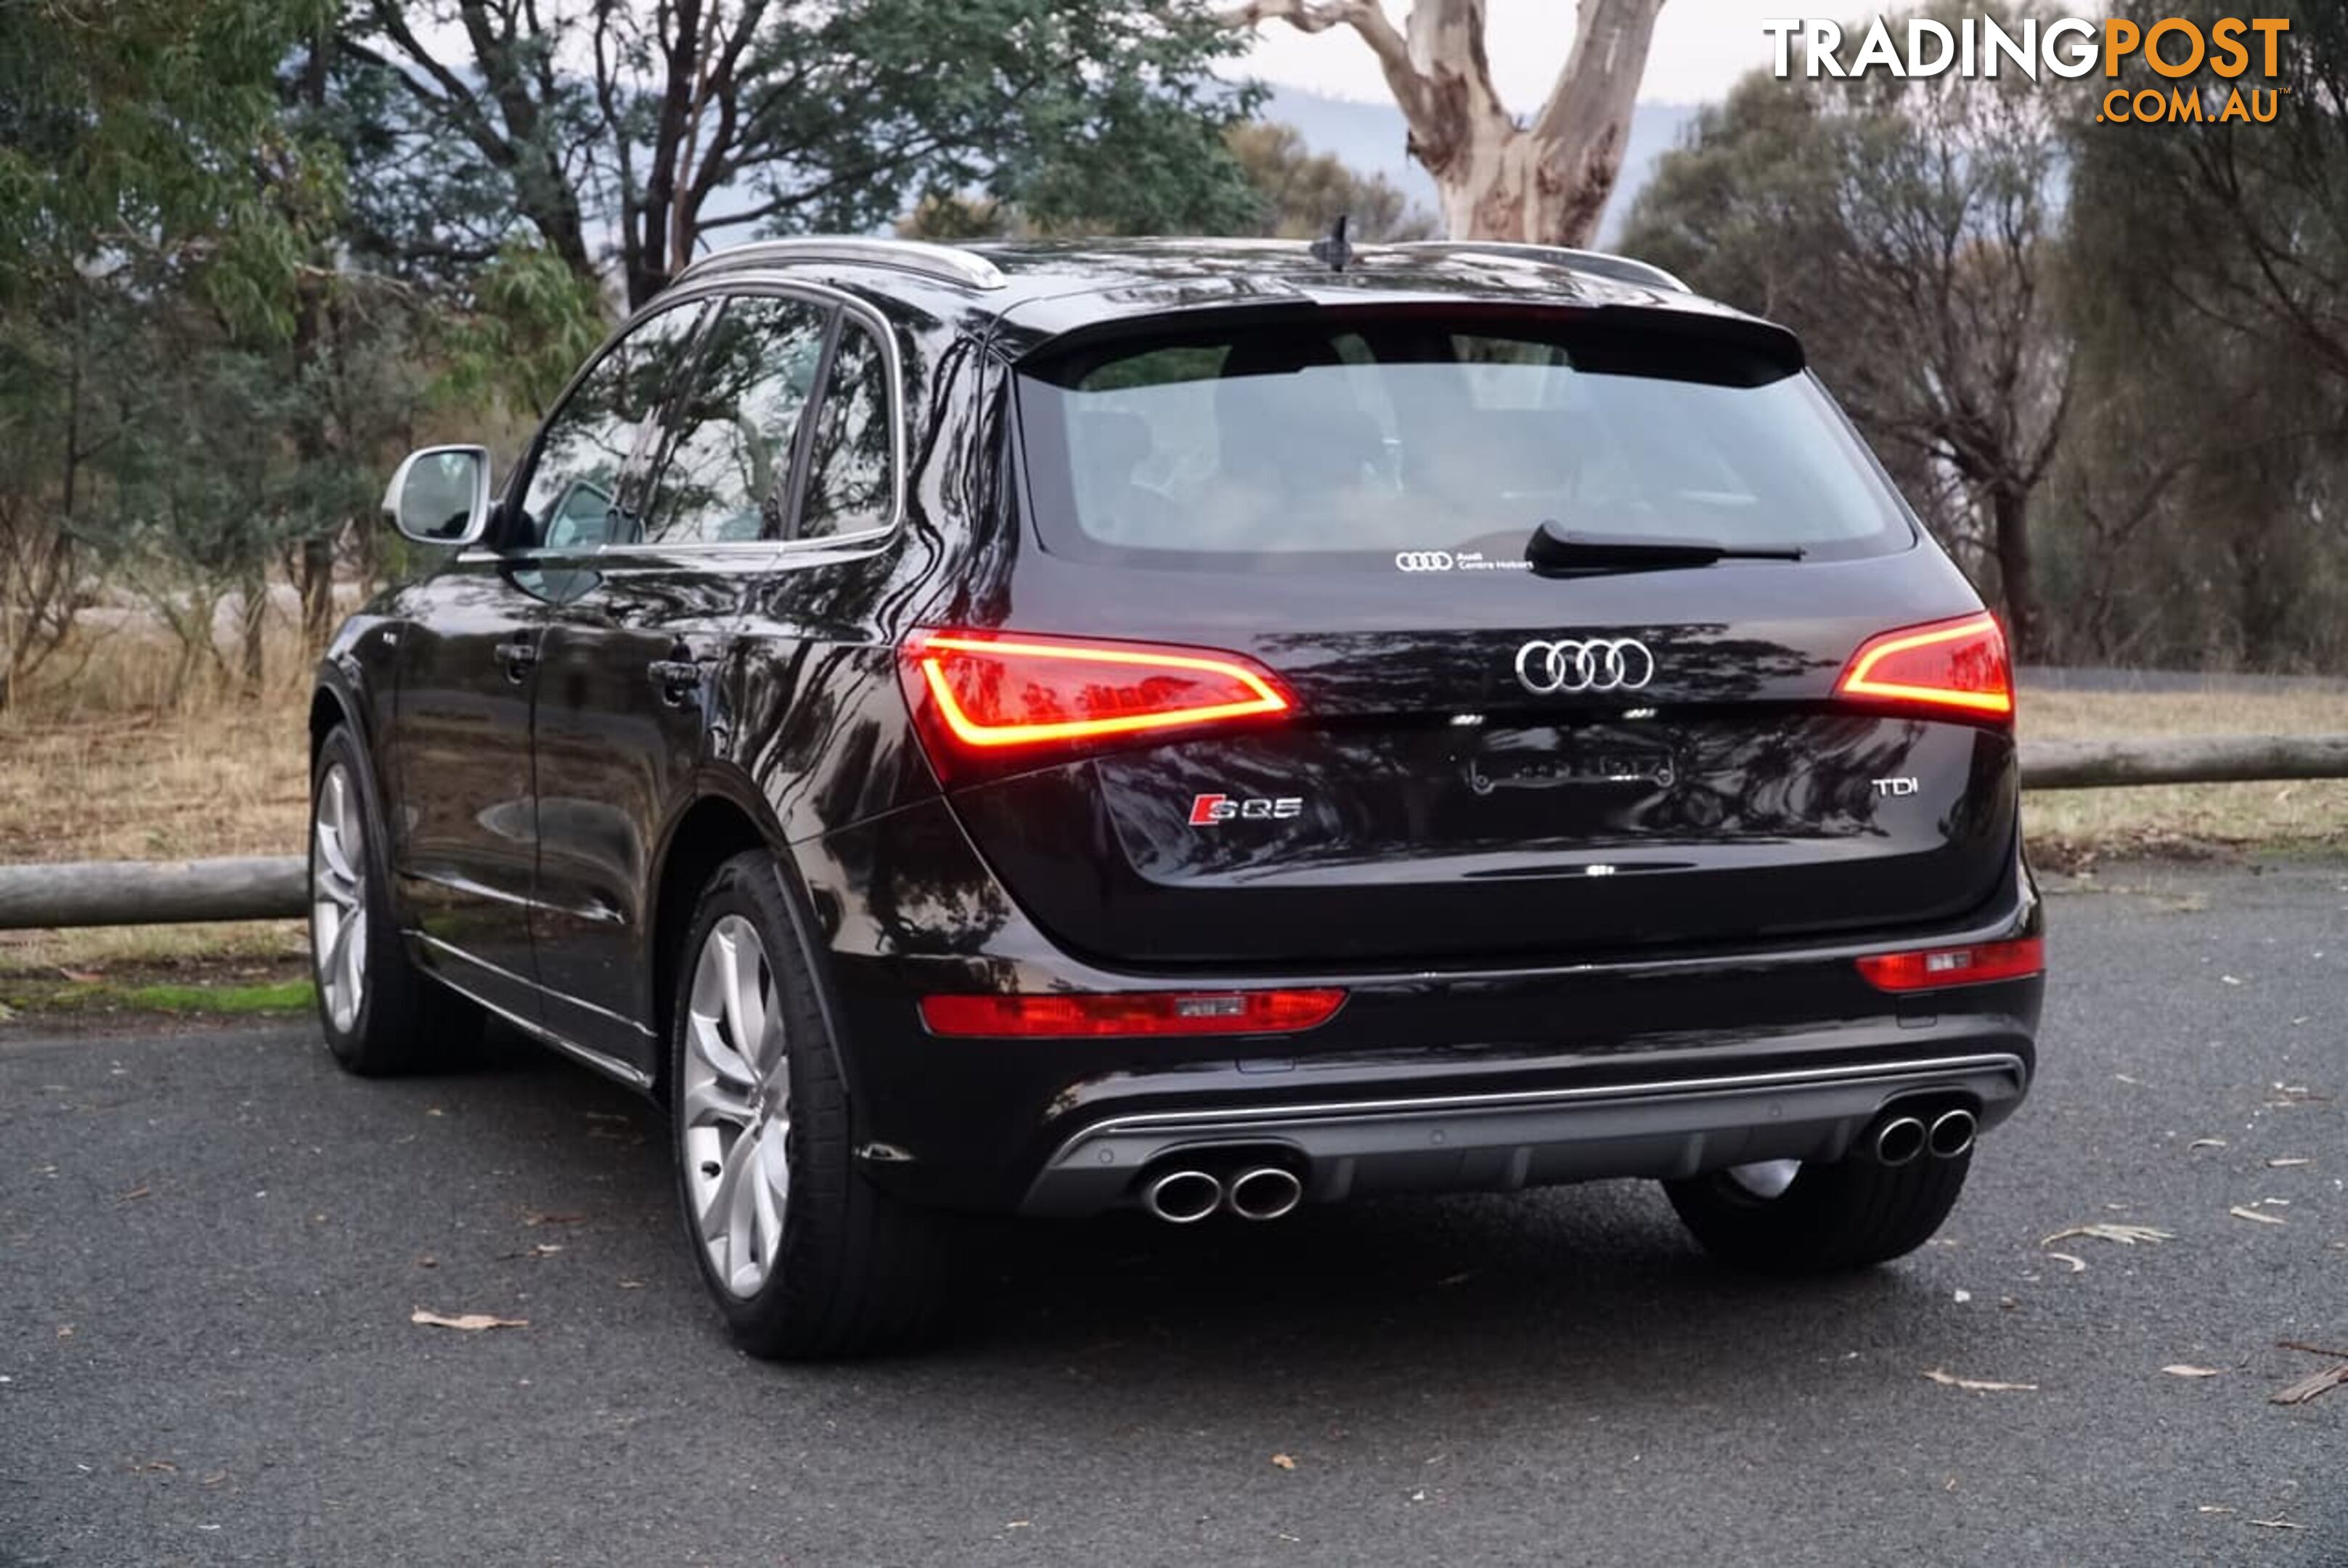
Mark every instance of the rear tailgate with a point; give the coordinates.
(1421, 803)
(1478, 763)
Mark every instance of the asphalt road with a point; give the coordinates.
(211, 1244)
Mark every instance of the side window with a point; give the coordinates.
(582, 491)
(850, 487)
(725, 474)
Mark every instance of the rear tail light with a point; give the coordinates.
(1949, 668)
(998, 694)
(1065, 1015)
(1930, 968)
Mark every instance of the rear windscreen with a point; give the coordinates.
(1354, 441)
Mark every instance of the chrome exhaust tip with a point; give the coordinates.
(1264, 1193)
(1183, 1198)
(1900, 1140)
(1953, 1133)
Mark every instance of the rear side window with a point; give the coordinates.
(753, 454)
(850, 487)
(1350, 439)
(732, 435)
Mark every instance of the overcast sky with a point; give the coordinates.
(1701, 47)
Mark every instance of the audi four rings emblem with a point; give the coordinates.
(1600, 664)
(1424, 560)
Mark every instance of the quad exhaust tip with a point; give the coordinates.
(1264, 1193)
(1183, 1198)
(1951, 1133)
(1900, 1140)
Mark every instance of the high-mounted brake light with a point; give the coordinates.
(1931, 969)
(1075, 1015)
(1958, 665)
(999, 691)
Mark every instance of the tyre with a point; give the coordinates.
(379, 1013)
(803, 1255)
(1828, 1218)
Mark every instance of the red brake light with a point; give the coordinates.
(996, 692)
(1931, 969)
(1065, 1015)
(1948, 664)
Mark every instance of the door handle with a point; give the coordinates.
(676, 679)
(517, 657)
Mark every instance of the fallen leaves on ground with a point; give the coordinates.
(469, 1322)
(2274, 1524)
(141, 1191)
(2242, 1212)
(1283, 1461)
(2315, 1383)
(2205, 1143)
(2106, 1230)
(2078, 1265)
(2179, 1370)
(2284, 1162)
(532, 1217)
(1978, 1384)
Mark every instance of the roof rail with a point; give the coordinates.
(947, 263)
(1622, 269)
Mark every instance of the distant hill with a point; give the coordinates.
(1369, 137)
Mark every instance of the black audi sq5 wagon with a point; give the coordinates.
(1200, 727)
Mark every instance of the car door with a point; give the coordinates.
(467, 844)
(630, 705)
(462, 844)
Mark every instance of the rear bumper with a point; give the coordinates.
(1431, 1079)
(1502, 1141)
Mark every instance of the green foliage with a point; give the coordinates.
(1905, 228)
(682, 126)
(2209, 269)
(148, 130)
(530, 323)
(1301, 193)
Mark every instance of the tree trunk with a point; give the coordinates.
(1544, 183)
(253, 615)
(318, 589)
(2009, 508)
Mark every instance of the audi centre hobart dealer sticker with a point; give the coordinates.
(1455, 561)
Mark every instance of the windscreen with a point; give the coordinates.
(1358, 440)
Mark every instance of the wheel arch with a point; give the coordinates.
(328, 708)
(718, 827)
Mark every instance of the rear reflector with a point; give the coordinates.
(1932, 968)
(1953, 666)
(1064, 1015)
(979, 692)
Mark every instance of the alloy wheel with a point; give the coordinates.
(338, 898)
(733, 1108)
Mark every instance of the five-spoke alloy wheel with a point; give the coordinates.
(803, 1254)
(377, 1013)
(736, 1108)
(338, 920)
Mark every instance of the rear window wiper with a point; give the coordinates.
(1555, 548)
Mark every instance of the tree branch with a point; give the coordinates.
(1368, 22)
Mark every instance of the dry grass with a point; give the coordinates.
(101, 770)
(2069, 827)
(104, 767)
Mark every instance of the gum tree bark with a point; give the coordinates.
(1545, 182)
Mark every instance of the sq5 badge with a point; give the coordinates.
(1205, 810)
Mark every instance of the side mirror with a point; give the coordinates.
(440, 495)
